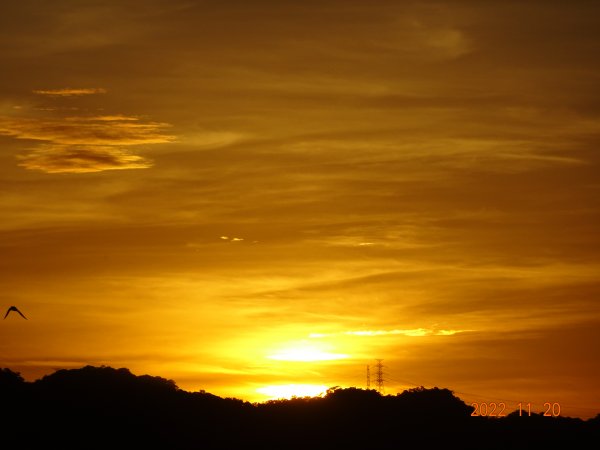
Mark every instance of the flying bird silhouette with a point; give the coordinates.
(14, 308)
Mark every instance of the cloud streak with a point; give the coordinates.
(81, 159)
(100, 130)
(70, 92)
(84, 144)
(415, 332)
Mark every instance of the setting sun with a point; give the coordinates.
(305, 353)
(284, 391)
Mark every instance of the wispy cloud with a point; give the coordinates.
(70, 92)
(84, 144)
(233, 239)
(415, 332)
(100, 130)
(81, 159)
(213, 139)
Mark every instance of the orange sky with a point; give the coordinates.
(217, 191)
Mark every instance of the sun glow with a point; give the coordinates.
(305, 353)
(287, 391)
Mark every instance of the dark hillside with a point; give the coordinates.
(103, 407)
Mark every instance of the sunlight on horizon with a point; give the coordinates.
(288, 391)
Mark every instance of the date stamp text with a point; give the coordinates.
(493, 409)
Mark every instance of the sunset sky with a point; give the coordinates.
(242, 195)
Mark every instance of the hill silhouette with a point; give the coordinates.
(108, 408)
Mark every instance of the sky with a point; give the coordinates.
(252, 197)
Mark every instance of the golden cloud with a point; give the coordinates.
(101, 130)
(81, 159)
(84, 144)
(70, 92)
(410, 332)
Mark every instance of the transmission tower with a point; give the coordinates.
(368, 377)
(379, 379)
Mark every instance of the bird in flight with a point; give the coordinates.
(14, 308)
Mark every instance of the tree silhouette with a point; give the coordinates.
(103, 407)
